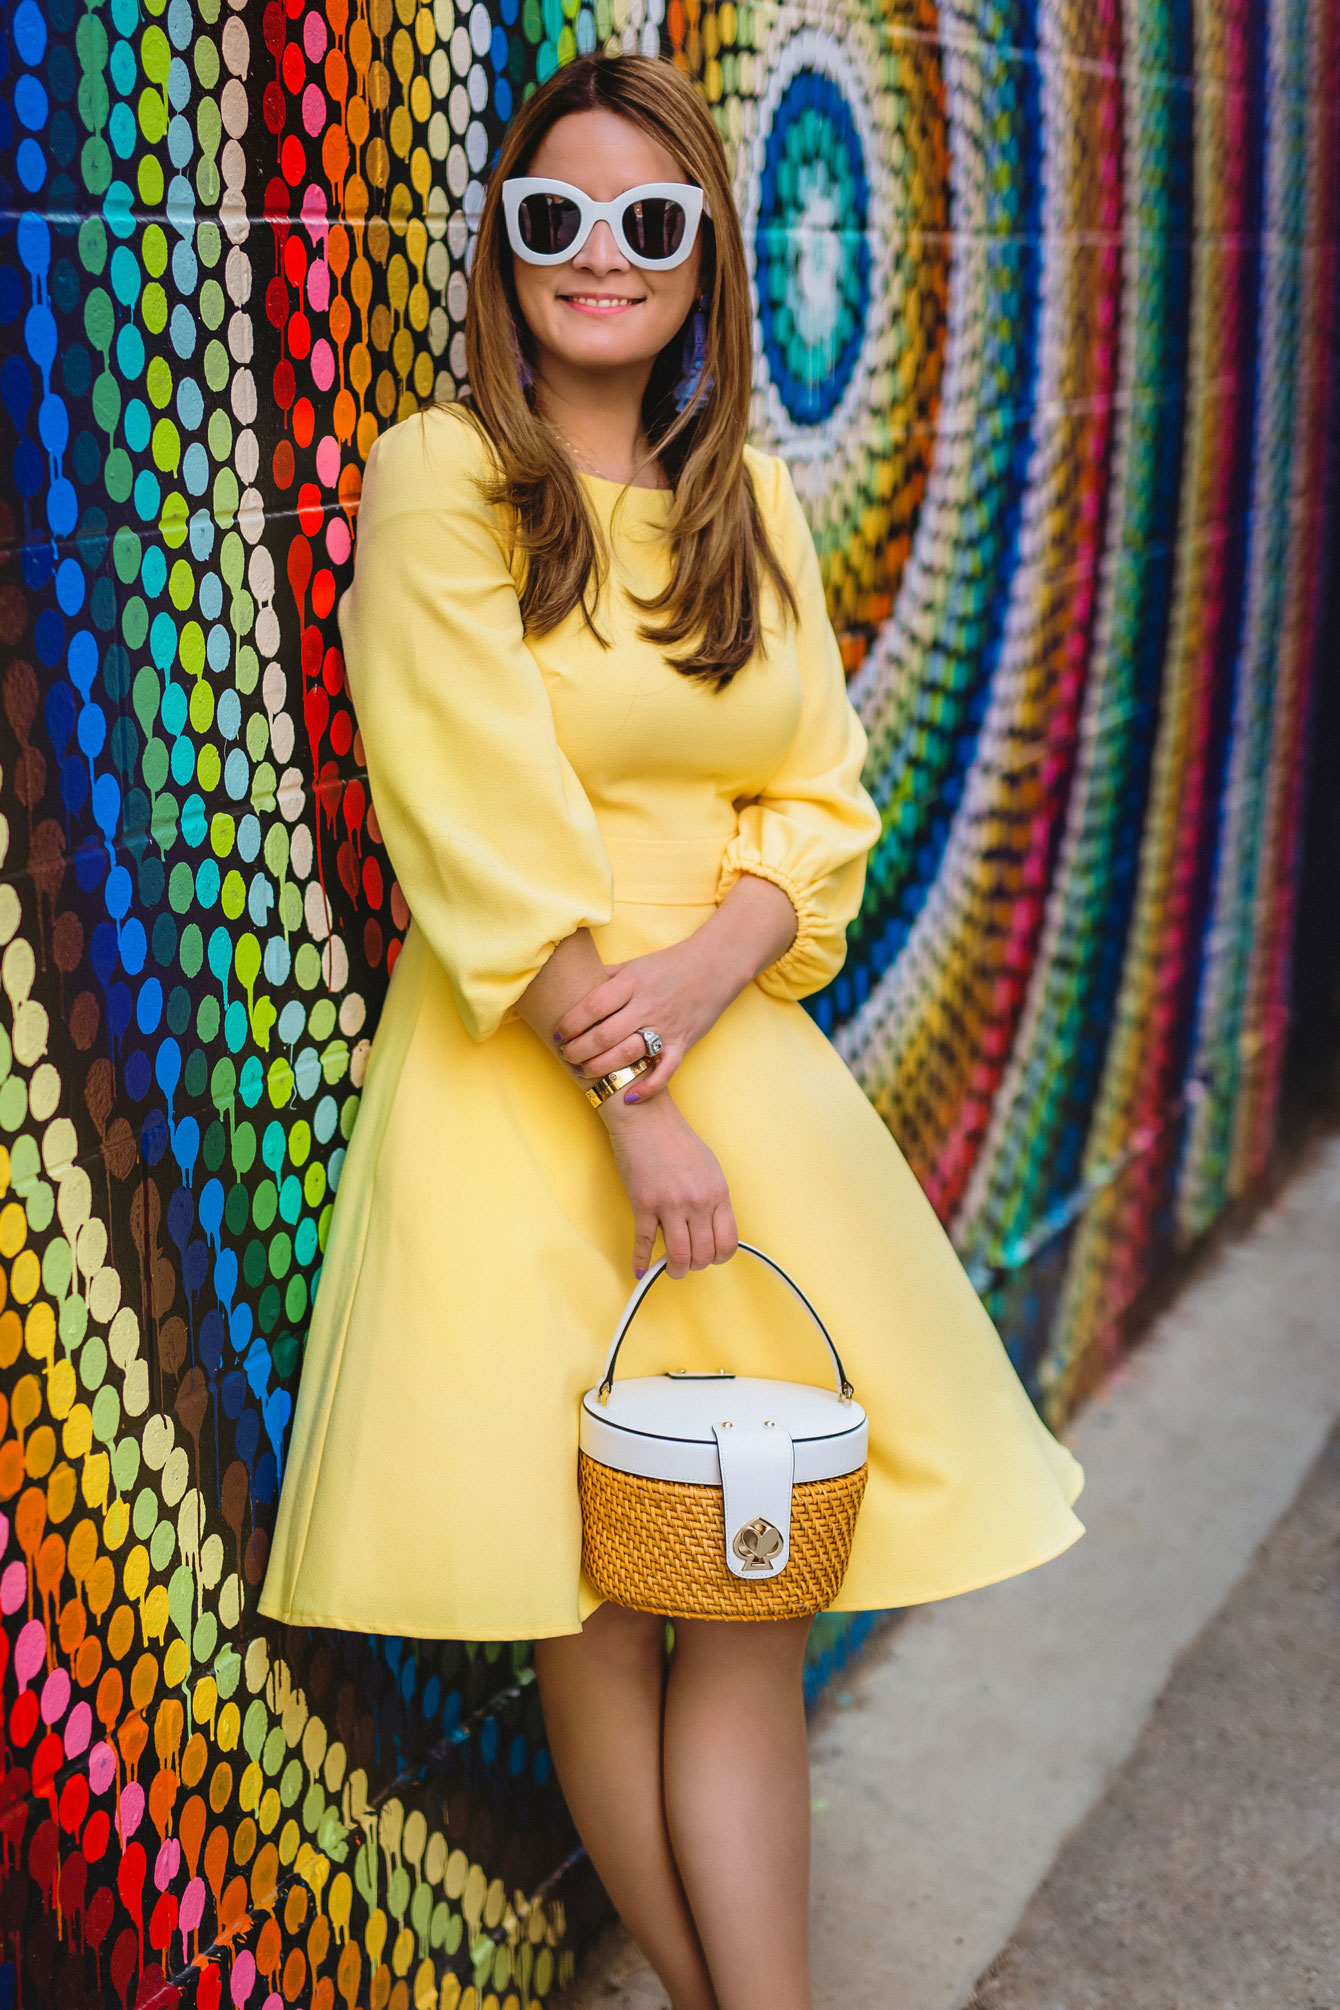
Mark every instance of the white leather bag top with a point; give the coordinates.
(749, 1435)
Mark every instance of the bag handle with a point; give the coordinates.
(843, 1386)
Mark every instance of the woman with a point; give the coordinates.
(616, 770)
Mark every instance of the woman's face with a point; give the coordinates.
(599, 311)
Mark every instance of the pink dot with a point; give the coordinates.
(4, 1533)
(131, 1812)
(30, 1649)
(101, 1768)
(328, 460)
(314, 37)
(13, 1587)
(314, 109)
(243, 1978)
(192, 1905)
(314, 214)
(323, 376)
(337, 540)
(78, 1730)
(55, 1696)
(318, 286)
(167, 1862)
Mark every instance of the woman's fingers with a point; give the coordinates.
(609, 996)
(702, 1240)
(726, 1235)
(619, 1054)
(618, 1029)
(644, 1240)
(678, 1245)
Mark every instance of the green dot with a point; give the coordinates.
(118, 475)
(92, 244)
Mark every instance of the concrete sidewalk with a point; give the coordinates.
(980, 1732)
(1208, 1876)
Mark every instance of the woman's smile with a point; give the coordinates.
(599, 303)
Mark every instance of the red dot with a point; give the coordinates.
(295, 262)
(341, 733)
(97, 1829)
(272, 28)
(285, 385)
(292, 160)
(274, 108)
(304, 422)
(293, 70)
(73, 1803)
(23, 1718)
(310, 512)
(373, 887)
(323, 593)
(332, 671)
(276, 303)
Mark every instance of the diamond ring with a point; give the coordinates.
(653, 1042)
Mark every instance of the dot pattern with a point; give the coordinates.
(1042, 295)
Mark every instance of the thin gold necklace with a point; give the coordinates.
(583, 461)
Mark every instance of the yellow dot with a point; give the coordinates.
(13, 1228)
(25, 1276)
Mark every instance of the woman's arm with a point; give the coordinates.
(673, 1182)
(681, 991)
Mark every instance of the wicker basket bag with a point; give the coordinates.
(719, 1496)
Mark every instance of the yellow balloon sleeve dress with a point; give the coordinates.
(480, 1246)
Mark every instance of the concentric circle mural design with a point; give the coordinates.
(1043, 300)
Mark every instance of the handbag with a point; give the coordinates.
(709, 1495)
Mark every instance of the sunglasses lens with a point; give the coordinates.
(549, 223)
(655, 226)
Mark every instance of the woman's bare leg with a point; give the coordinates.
(737, 1803)
(602, 1691)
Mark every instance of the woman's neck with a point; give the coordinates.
(604, 438)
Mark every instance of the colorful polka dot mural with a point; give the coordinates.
(1043, 296)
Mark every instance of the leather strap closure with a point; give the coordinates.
(757, 1469)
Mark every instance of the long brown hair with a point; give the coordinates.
(720, 545)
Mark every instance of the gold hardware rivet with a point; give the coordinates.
(726, 1424)
(768, 1424)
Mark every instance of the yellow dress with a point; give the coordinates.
(480, 1248)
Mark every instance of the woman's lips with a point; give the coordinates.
(597, 303)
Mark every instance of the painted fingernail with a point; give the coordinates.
(639, 1273)
(631, 1097)
(557, 1039)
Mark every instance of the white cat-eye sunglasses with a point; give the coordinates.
(655, 225)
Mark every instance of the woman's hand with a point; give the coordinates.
(680, 992)
(674, 1183)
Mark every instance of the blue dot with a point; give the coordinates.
(30, 32)
(117, 894)
(30, 103)
(130, 350)
(134, 944)
(40, 337)
(70, 585)
(148, 496)
(31, 163)
(62, 507)
(149, 1006)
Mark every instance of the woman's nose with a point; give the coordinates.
(600, 253)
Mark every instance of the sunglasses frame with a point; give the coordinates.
(686, 193)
